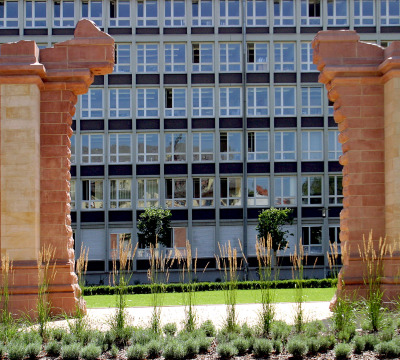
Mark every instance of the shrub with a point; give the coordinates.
(30, 337)
(53, 348)
(154, 348)
(347, 334)
(109, 339)
(246, 331)
(277, 345)
(170, 329)
(90, 352)
(226, 350)
(33, 349)
(314, 328)
(297, 347)
(16, 350)
(326, 342)
(204, 343)
(280, 331)
(143, 336)
(342, 351)
(386, 334)
(114, 351)
(69, 339)
(70, 351)
(388, 349)
(313, 345)
(136, 352)
(370, 342)
(359, 344)
(57, 333)
(262, 348)
(174, 350)
(192, 347)
(241, 344)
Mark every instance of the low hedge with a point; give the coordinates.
(211, 286)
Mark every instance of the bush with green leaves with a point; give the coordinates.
(136, 352)
(388, 349)
(226, 350)
(33, 350)
(297, 346)
(204, 344)
(386, 334)
(170, 329)
(114, 351)
(342, 351)
(175, 350)
(16, 350)
(280, 331)
(57, 333)
(246, 331)
(359, 344)
(313, 344)
(208, 328)
(370, 342)
(71, 351)
(29, 337)
(69, 339)
(277, 345)
(143, 336)
(262, 348)
(326, 342)
(242, 345)
(192, 347)
(347, 334)
(314, 328)
(154, 348)
(90, 352)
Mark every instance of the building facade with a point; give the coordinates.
(214, 111)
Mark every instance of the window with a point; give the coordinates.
(92, 151)
(35, 14)
(175, 13)
(8, 14)
(72, 193)
(92, 194)
(120, 239)
(257, 101)
(334, 146)
(285, 101)
(147, 193)
(364, 13)
(147, 102)
(310, 12)
(230, 101)
(203, 146)
(230, 146)
(229, 12)
(64, 15)
(311, 145)
(147, 58)
(312, 239)
(203, 102)
(147, 13)
(120, 13)
(120, 194)
(390, 12)
(285, 145)
(92, 104)
(337, 12)
(120, 148)
(175, 147)
(334, 238)
(257, 145)
(203, 192)
(175, 102)
(175, 57)
(311, 101)
(311, 190)
(285, 190)
(283, 13)
(258, 191)
(229, 57)
(120, 103)
(335, 190)
(307, 58)
(175, 193)
(147, 148)
(284, 56)
(202, 13)
(122, 58)
(93, 10)
(257, 13)
(73, 149)
(202, 58)
(231, 191)
(257, 57)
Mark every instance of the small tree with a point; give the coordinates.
(270, 221)
(154, 224)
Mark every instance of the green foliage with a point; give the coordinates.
(53, 348)
(241, 344)
(33, 349)
(277, 345)
(16, 350)
(143, 336)
(280, 331)
(208, 328)
(388, 349)
(57, 333)
(90, 352)
(359, 344)
(154, 348)
(344, 313)
(136, 352)
(174, 350)
(297, 346)
(204, 344)
(326, 342)
(114, 351)
(314, 328)
(262, 348)
(342, 351)
(226, 350)
(192, 347)
(170, 329)
(71, 351)
(154, 224)
(270, 221)
(313, 345)
(370, 342)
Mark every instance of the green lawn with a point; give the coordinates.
(211, 297)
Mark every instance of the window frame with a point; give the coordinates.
(305, 18)
(252, 143)
(253, 109)
(72, 193)
(281, 108)
(73, 149)
(177, 94)
(309, 96)
(360, 18)
(281, 146)
(117, 110)
(98, 20)
(232, 138)
(146, 20)
(308, 143)
(307, 241)
(117, 153)
(202, 155)
(257, 200)
(199, 108)
(252, 53)
(8, 22)
(121, 65)
(225, 15)
(148, 111)
(92, 203)
(173, 200)
(202, 20)
(335, 191)
(281, 19)
(62, 20)
(122, 13)
(174, 66)
(333, 19)
(231, 200)
(201, 66)
(118, 199)
(35, 21)
(387, 18)
(89, 111)
(308, 198)
(170, 21)
(145, 156)
(336, 235)
(334, 146)
(229, 107)
(254, 20)
(202, 201)
(146, 51)
(307, 64)
(146, 201)
(88, 158)
(284, 198)
(284, 56)
(174, 156)
(227, 53)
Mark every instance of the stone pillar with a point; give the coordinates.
(355, 79)
(37, 100)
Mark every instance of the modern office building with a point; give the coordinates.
(214, 110)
